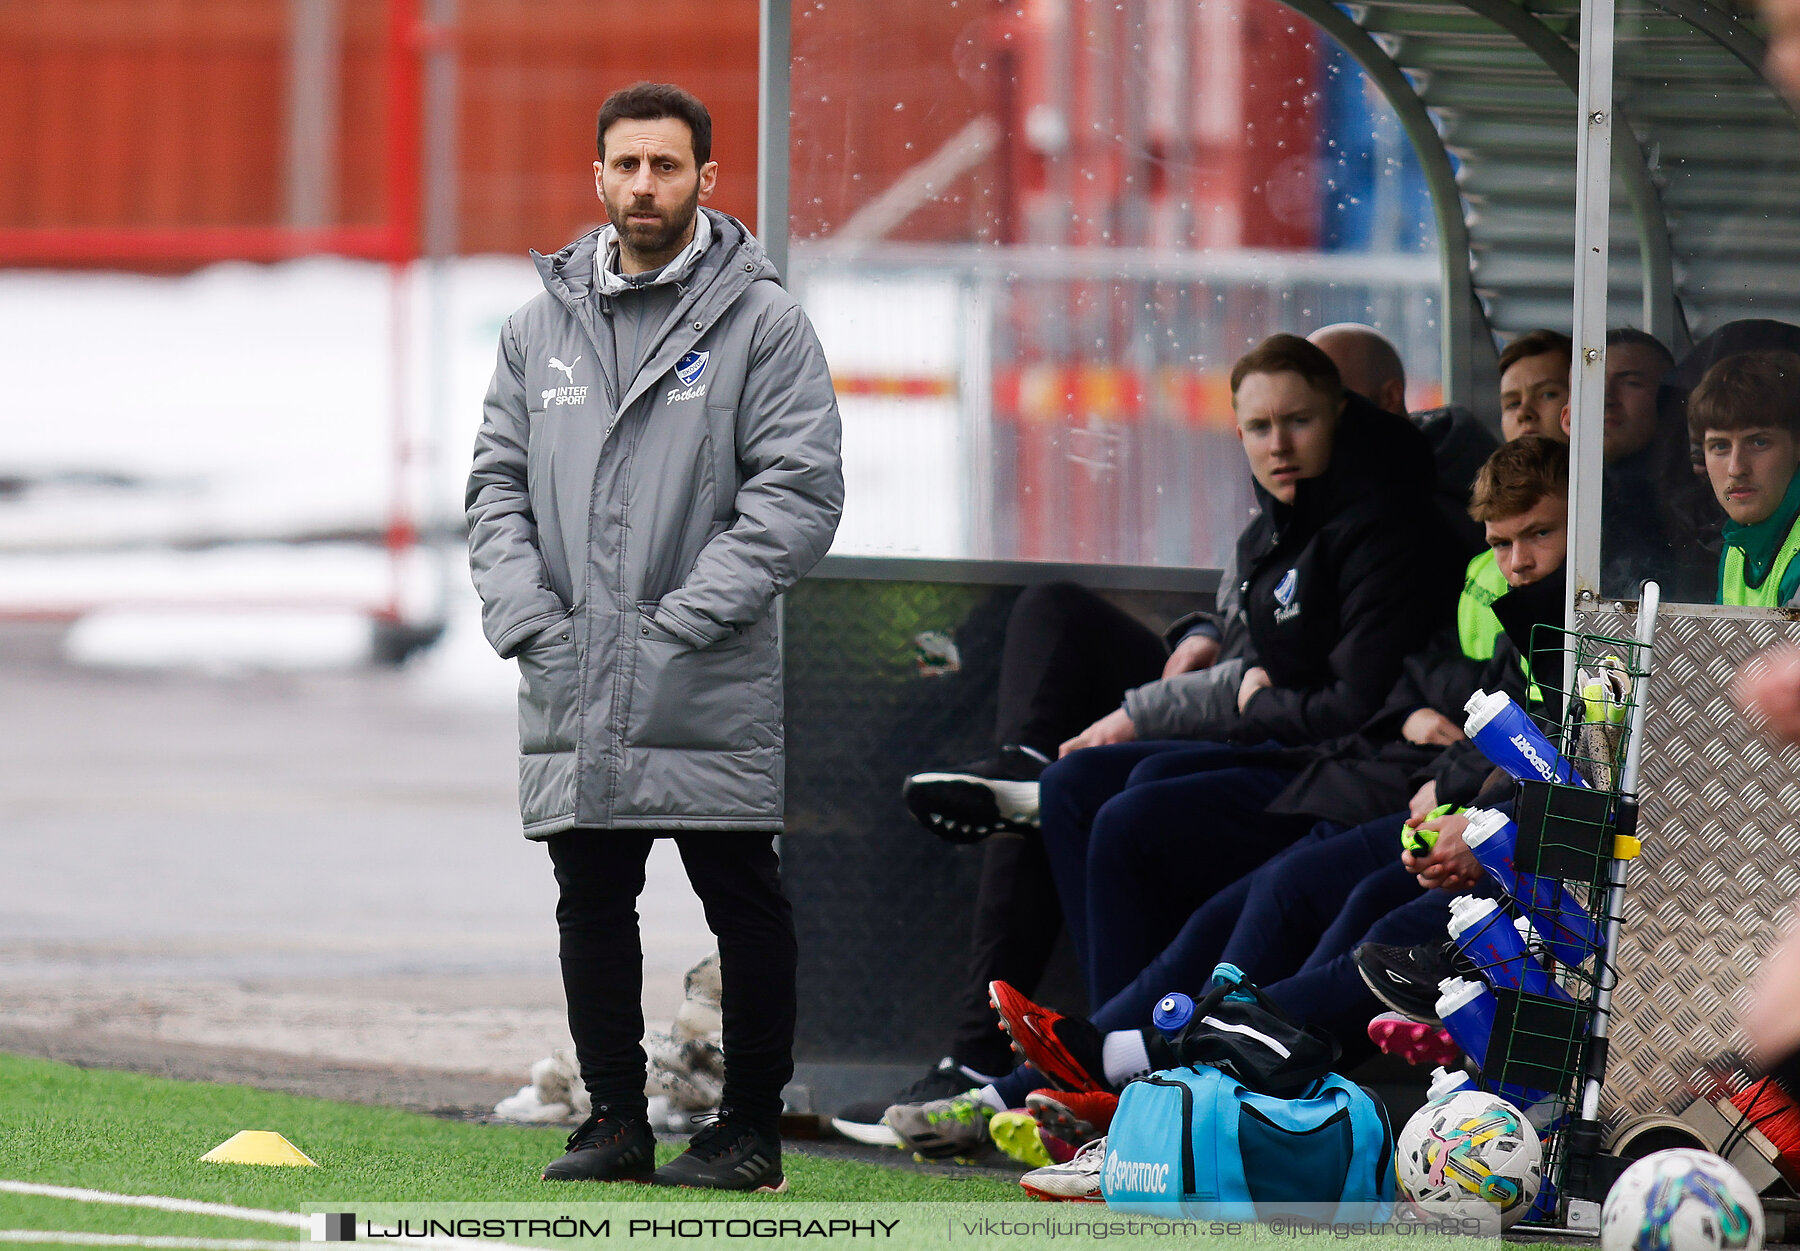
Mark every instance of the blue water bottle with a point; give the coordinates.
(1484, 934)
(1545, 1111)
(1557, 915)
(1509, 738)
(1467, 1011)
(1172, 1011)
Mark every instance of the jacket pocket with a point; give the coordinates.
(549, 690)
(709, 698)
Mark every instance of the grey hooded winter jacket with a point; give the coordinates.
(628, 537)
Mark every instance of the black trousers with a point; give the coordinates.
(1068, 659)
(737, 876)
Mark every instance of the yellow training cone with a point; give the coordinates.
(258, 1146)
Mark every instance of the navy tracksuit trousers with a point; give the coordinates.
(1140, 834)
(1290, 925)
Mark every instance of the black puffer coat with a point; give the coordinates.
(1375, 772)
(1341, 586)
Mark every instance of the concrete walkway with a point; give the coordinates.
(326, 866)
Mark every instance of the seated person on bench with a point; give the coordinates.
(1292, 924)
(1070, 657)
(1746, 414)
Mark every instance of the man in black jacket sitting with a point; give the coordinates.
(1339, 582)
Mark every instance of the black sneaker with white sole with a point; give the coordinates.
(1406, 978)
(863, 1121)
(967, 803)
(727, 1154)
(607, 1148)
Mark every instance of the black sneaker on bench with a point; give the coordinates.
(865, 1121)
(1406, 978)
(967, 803)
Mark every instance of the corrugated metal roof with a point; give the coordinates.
(1702, 200)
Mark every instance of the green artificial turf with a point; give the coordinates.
(129, 1133)
(35, 1212)
(141, 1134)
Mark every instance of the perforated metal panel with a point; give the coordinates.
(1720, 867)
(883, 909)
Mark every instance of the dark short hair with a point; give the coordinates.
(1536, 343)
(644, 102)
(1626, 334)
(1290, 354)
(1746, 390)
(1518, 475)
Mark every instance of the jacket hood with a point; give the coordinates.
(1374, 454)
(606, 252)
(1460, 444)
(568, 273)
(1751, 334)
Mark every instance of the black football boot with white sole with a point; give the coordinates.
(727, 1154)
(967, 803)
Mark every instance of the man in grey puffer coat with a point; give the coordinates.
(658, 460)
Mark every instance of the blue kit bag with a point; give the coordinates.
(1197, 1142)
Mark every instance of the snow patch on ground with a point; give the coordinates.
(324, 396)
(221, 642)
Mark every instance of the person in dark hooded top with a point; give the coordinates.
(1335, 549)
(1339, 584)
(1069, 658)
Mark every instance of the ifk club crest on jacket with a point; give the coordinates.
(629, 535)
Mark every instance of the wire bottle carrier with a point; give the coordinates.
(1575, 843)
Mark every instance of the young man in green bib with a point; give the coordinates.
(1746, 415)
(1534, 379)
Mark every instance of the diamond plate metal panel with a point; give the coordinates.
(1713, 888)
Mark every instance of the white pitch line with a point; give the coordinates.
(63, 1237)
(194, 1207)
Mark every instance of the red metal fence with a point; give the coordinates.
(157, 133)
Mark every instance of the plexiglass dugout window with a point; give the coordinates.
(1722, 152)
(1034, 237)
